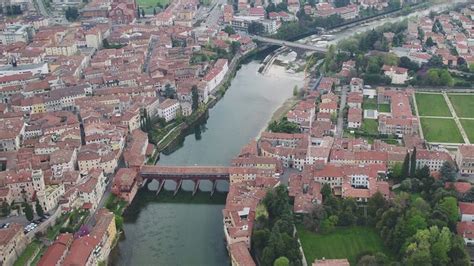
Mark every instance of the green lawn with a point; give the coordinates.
(342, 243)
(441, 130)
(463, 104)
(369, 104)
(384, 108)
(27, 253)
(370, 126)
(468, 126)
(432, 105)
(148, 5)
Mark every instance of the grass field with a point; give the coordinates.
(148, 5)
(468, 126)
(370, 126)
(432, 105)
(342, 243)
(440, 130)
(463, 104)
(369, 104)
(384, 108)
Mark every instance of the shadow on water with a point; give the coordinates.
(145, 197)
(197, 128)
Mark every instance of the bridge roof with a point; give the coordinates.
(184, 170)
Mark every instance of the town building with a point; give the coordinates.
(465, 159)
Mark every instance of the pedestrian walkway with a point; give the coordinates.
(456, 118)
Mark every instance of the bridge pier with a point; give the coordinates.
(196, 186)
(146, 182)
(178, 186)
(214, 186)
(160, 186)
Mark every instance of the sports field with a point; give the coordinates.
(440, 130)
(468, 125)
(430, 104)
(342, 243)
(463, 104)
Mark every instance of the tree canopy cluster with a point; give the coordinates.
(72, 13)
(273, 236)
(284, 126)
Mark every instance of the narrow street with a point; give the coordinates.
(340, 117)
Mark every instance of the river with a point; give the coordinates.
(190, 232)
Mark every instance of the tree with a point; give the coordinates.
(39, 209)
(281, 261)
(143, 13)
(449, 207)
(326, 192)
(413, 163)
(138, 11)
(421, 34)
(341, 3)
(458, 254)
(119, 222)
(408, 64)
(235, 47)
(312, 221)
(448, 171)
(195, 97)
(406, 166)
(256, 28)
(5, 209)
(154, 11)
(445, 78)
(72, 13)
(430, 42)
(28, 211)
(229, 30)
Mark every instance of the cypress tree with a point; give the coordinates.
(406, 166)
(413, 163)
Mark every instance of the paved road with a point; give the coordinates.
(340, 118)
(42, 9)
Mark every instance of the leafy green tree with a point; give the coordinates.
(229, 30)
(260, 238)
(5, 209)
(312, 221)
(374, 204)
(72, 13)
(39, 209)
(119, 222)
(391, 59)
(256, 28)
(448, 206)
(421, 34)
(28, 211)
(341, 3)
(326, 192)
(458, 254)
(448, 171)
(281, 261)
(445, 78)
